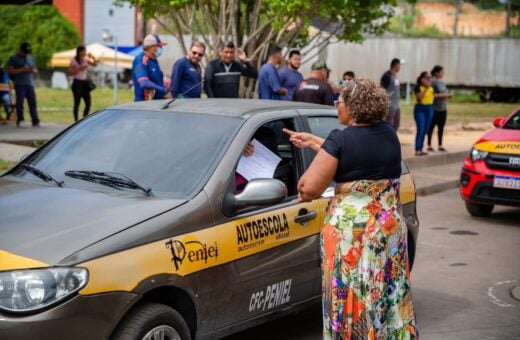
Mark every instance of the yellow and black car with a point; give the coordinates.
(129, 224)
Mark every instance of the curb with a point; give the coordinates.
(435, 160)
(436, 188)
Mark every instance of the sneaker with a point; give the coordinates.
(420, 153)
(442, 149)
(20, 124)
(431, 149)
(37, 125)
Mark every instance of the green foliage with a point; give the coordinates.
(42, 26)
(353, 18)
(5, 165)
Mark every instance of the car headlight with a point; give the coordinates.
(477, 154)
(32, 289)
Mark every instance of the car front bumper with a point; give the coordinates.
(82, 317)
(476, 185)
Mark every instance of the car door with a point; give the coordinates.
(275, 247)
(320, 123)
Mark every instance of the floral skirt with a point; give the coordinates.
(365, 276)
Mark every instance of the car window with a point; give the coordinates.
(513, 122)
(322, 125)
(271, 135)
(167, 151)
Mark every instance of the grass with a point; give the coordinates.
(467, 112)
(5, 165)
(55, 105)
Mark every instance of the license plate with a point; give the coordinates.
(507, 182)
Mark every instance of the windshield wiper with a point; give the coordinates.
(41, 174)
(111, 179)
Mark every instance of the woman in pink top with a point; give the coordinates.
(80, 87)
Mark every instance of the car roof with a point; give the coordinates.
(219, 106)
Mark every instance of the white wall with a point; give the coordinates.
(121, 22)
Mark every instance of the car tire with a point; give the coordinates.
(149, 319)
(479, 210)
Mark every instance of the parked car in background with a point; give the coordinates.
(491, 172)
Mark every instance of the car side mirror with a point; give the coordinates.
(498, 122)
(261, 192)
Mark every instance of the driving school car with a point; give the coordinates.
(491, 172)
(129, 224)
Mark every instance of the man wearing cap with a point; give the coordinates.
(222, 75)
(269, 83)
(146, 74)
(22, 68)
(315, 89)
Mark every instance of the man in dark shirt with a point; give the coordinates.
(187, 74)
(289, 76)
(315, 89)
(22, 68)
(222, 75)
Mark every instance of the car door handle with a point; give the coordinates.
(305, 216)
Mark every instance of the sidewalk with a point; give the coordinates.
(9, 133)
(434, 173)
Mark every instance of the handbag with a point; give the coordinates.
(91, 85)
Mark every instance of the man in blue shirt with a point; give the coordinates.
(22, 68)
(269, 84)
(289, 75)
(147, 76)
(187, 73)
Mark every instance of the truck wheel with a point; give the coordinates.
(153, 321)
(479, 210)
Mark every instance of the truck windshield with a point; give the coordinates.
(168, 152)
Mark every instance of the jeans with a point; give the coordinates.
(5, 100)
(423, 115)
(22, 92)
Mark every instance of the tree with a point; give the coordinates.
(458, 9)
(42, 26)
(254, 24)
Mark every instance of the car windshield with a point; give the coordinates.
(513, 122)
(168, 152)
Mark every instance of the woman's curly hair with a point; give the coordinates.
(368, 102)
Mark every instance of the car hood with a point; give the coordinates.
(499, 134)
(44, 224)
(506, 141)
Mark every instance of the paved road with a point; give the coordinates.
(466, 273)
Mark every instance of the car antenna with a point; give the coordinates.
(171, 101)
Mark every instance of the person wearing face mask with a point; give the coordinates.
(366, 290)
(222, 75)
(147, 76)
(289, 75)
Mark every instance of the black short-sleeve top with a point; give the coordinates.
(365, 152)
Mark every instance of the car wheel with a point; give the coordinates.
(153, 321)
(479, 210)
